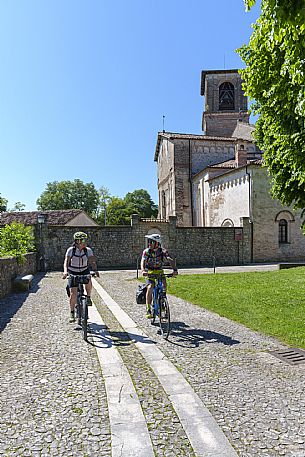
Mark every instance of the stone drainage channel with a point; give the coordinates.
(152, 409)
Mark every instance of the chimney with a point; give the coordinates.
(240, 155)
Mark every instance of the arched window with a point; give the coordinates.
(227, 223)
(283, 231)
(226, 97)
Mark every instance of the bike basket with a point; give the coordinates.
(141, 294)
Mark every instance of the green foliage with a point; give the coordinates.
(69, 195)
(271, 302)
(139, 202)
(3, 203)
(18, 207)
(119, 210)
(274, 78)
(16, 240)
(105, 198)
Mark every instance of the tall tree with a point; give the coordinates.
(69, 195)
(117, 212)
(105, 198)
(140, 202)
(3, 203)
(18, 207)
(274, 78)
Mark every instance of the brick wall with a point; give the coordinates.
(9, 269)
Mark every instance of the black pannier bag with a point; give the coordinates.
(141, 294)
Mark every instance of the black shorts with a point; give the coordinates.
(71, 281)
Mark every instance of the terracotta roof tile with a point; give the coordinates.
(55, 217)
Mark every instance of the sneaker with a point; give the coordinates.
(89, 301)
(148, 312)
(72, 317)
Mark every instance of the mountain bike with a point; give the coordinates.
(81, 307)
(160, 306)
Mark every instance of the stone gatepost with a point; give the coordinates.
(172, 236)
(246, 255)
(137, 239)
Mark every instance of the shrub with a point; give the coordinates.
(16, 240)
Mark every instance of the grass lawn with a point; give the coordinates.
(271, 302)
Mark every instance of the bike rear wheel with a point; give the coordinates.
(164, 317)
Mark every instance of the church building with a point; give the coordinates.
(217, 178)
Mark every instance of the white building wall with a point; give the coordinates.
(228, 198)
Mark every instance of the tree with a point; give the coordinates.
(274, 79)
(139, 202)
(69, 195)
(18, 207)
(16, 240)
(105, 198)
(118, 212)
(3, 203)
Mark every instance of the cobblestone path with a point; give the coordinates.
(257, 400)
(53, 399)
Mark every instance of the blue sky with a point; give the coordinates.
(84, 86)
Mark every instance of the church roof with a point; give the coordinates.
(53, 217)
(244, 131)
(228, 166)
(187, 136)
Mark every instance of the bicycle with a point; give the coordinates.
(160, 306)
(81, 307)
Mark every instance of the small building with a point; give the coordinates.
(66, 217)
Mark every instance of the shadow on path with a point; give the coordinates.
(116, 338)
(10, 304)
(186, 336)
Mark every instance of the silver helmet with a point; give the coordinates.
(154, 237)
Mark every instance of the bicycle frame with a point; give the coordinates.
(81, 304)
(158, 292)
(160, 306)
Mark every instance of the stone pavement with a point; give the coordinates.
(53, 396)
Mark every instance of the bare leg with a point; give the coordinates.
(88, 288)
(149, 298)
(73, 298)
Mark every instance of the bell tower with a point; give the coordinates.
(225, 102)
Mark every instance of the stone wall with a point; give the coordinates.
(122, 246)
(9, 269)
(266, 215)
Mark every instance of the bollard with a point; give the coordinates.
(214, 264)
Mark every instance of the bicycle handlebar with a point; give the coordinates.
(81, 279)
(162, 275)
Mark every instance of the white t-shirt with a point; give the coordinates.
(79, 261)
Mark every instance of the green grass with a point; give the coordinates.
(271, 302)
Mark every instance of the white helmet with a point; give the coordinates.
(154, 237)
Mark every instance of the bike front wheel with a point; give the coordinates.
(85, 319)
(164, 317)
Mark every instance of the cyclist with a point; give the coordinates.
(78, 260)
(153, 260)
